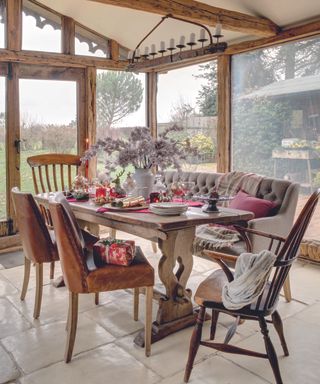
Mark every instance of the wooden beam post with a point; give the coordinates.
(91, 85)
(151, 101)
(202, 13)
(14, 25)
(68, 35)
(224, 114)
(114, 50)
(12, 134)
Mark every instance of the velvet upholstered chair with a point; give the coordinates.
(80, 278)
(38, 245)
(209, 295)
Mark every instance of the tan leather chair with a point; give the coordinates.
(79, 278)
(38, 246)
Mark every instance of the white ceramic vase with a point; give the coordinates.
(144, 180)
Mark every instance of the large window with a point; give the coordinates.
(187, 98)
(276, 113)
(48, 121)
(3, 178)
(120, 105)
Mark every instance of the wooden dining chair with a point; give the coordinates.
(38, 246)
(80, 278)
(52, 172)
(209, 295)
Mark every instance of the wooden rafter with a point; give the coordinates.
(203, 13)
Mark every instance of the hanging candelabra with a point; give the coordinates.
(207, 42)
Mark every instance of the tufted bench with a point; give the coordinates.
(284, 193)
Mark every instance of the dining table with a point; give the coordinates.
(175, 236)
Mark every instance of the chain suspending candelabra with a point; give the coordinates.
(136, 56)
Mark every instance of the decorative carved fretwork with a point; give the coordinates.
(42, 16)
(94, 41)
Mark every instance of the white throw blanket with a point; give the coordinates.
(250, 277)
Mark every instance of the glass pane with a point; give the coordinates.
(276, 113)
(41, 29)
(187, 97)
(89, 44)
(48, 121)
(2, 23)
(3, 178)
(120, 105)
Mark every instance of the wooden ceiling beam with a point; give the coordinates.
(202, 13)
(60, 60)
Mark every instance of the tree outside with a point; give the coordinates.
(118, 95)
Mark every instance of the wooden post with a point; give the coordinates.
(91, 81)
(14, 25)
(224, 111)
(151, 101)
(13, 134)
(114, 50)
(68, 35)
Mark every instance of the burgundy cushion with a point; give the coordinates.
(259, 207)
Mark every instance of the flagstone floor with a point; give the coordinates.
(31, 351)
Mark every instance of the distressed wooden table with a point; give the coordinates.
(175, 235)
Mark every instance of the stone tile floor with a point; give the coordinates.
(31, 351)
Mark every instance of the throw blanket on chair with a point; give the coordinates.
(250, 277)
(230, 183)
(208, 237)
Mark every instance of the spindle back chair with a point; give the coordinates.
(209, 294)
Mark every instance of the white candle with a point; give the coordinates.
(162, 46)
(137, 53)
(130, 54)
(202, 34)
(182, 40)
(146, 50)
(218, 29)
(171, 43)
(153, 48)
(192, 38)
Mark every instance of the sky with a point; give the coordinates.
(48, 101)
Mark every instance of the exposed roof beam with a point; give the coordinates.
(59, 59)
(203, 13)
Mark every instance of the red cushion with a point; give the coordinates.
(246, 202)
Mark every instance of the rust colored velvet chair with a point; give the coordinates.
(209, 295)
(79, 278)
(38, 246)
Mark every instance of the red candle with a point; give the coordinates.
(87, 161)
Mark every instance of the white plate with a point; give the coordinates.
(168, 206)
(121, 209)
(168, 212)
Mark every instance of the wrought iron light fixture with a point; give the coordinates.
(207, 44)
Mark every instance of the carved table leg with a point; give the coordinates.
(175, 307)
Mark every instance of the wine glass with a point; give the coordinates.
(176, 190)
(187, 187)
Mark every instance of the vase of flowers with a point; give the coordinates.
(143, 152)
(144, 179)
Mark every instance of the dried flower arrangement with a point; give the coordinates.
(142, 150)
